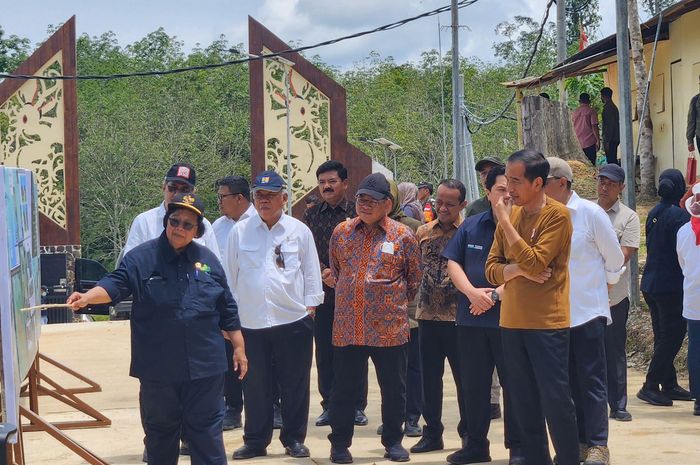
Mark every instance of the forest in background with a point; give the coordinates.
(132, 130)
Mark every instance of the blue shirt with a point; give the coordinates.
(470, 248)
(178, 310)
(662, 273)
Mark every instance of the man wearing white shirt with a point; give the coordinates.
(233, 196)
(180, 178)
(273, 268)
(596, 261)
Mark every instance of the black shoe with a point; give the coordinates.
(246, 452)
(380, 430)
(144, 457)
(412, 429)
(297, 450)
(184, 448)
(276, 417)
(621, 415)
(340, 455)
(495, 411)
(396, 453)
(467, 455)
(323, 419)
(696, 411)
(427, 445)
(654, 397)
(516, 457)
(360, 418)
(232, 420)
(677, 393)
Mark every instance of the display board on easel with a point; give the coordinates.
(19, 284)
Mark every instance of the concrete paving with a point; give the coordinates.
(100, 351)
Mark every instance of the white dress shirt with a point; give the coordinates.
(223, 225)
(689, 259)
(149, 225)
(596, 260)
(267, 294)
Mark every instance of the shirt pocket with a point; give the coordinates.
(289, 250)
(387, 268)
(160, 296)
(249, 256)
(206, 293)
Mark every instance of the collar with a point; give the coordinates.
(435, 224)
(574, 201)
(343, 205)
(250, 211)
(257, 222)
(615, 207)
(488, 215)
(169, 254)
(383, 223)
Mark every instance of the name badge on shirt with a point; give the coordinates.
(475, 246)
(388, 247)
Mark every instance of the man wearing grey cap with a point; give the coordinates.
(597, 262)
(611, 183)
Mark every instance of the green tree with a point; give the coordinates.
(13, 51)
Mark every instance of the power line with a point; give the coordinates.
(486, 121)
(386, 27)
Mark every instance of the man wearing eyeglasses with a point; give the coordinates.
(180, 178)
(375, 263)
(273, 269)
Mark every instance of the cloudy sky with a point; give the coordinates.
(305, 21)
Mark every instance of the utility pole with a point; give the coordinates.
(561, 43)
(626, 149)
(456, 100)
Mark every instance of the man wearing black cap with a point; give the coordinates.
(180, 179)
(375, 263)
(273, 270)
(611, 183)
(425, 190)
(233, 195)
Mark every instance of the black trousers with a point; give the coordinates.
(669, 327)
(616, 355)
(589, 381)
(537, 363)
(611, 152)
(323, 336)
(290, 346)
(414, 379)
(481, 350)
(590, 153)
(233, 387)
(390, 364)
(438, 341)
(191, 407)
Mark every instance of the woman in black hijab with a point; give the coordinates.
(662, 286)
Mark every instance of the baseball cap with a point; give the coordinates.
(613, 172)
(427, 185)
(376, 186)
(188, 201)
(182, 172)
(559, 168)
(269, 181)
(481, 164)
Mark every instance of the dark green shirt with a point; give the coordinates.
(478, 206)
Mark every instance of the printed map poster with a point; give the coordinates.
(20, 285)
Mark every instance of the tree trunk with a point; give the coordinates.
(646, 152)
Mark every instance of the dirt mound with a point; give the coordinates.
(585, 183)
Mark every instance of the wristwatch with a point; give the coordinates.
(494, 296)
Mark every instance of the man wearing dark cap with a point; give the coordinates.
(611, 183)
(425, 190)
(483, 167)
(273, 270)
(180, 179)
(375, 262)
(233, 196)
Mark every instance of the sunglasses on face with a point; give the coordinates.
(279, 259)
(366, 202)
(175, 223)
(183, 189)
